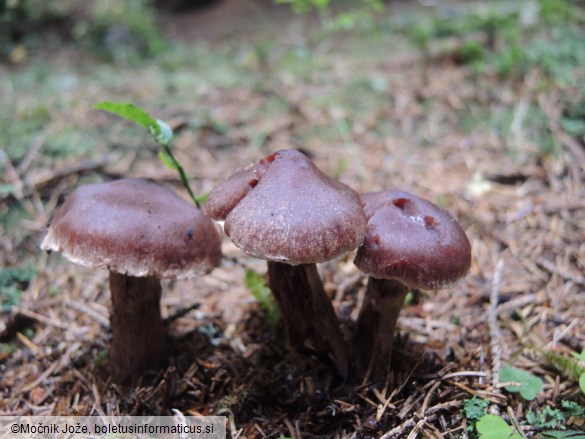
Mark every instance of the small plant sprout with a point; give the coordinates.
(546, 418)
(162, 133)
(494, 427)
(475, 408)
(571, 366)
(563, 434)
(256, 283)
(524, 383)
(581, 358)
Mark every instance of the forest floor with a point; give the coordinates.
(484, 119)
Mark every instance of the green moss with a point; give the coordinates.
(13, 281)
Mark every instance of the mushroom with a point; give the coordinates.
(141, 232)
(410, 243)
(285, 210)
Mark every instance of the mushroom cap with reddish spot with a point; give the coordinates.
(285, 209)
(412, 240)
(226, 195)
(134, 227)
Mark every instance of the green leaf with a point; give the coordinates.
(494, 427)
(159, 129)
(580, 357)
(257, 286)
(167, 160)
(133, 113)
(529, 386)
(582, 382)
(202, 198)
(567, 434)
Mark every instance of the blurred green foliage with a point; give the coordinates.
(118, 30)
(301, 6)
(256, 283)
(339, 15)
(13, 281)
(474, 408)
(548, 417)
(498, 41)
(508, 41)
(508, 38)
(7, 349)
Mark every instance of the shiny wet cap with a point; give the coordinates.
(134, 227)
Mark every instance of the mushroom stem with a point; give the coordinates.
(138, 340)
(374, 332)
(311, 324)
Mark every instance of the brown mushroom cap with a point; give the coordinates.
(134, 227)
(285, 209)
(226, 195)
(412, 240)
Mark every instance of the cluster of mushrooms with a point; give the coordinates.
(282, 209)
